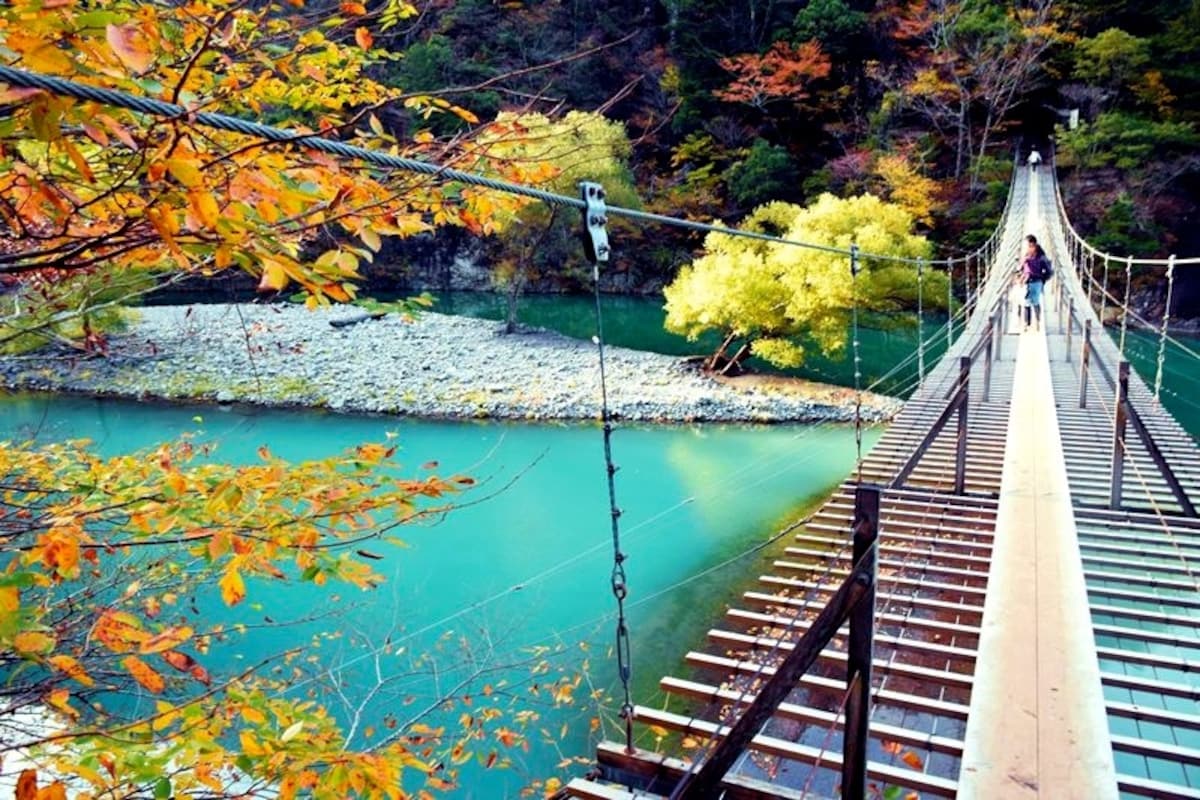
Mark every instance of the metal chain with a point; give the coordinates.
(1162, 337)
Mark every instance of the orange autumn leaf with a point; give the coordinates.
(119, 631)
(363, 38)
(72, 669)
(894, 748)
(180, 661)
(358, 9)
(233, 588)
(27, 785)
(33, 642)
(55, 791)
(144, 674)
(168, 639)
(912, 759)
(130, 48)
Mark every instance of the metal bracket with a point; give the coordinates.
(595, 217)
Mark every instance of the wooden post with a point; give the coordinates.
(960, 458)
(702, 785)
(1119, 425)
(1003, 324)
(1070, 325)
(1084, 358)
(859, 648)
(987, 357)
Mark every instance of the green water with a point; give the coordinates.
(637, 322)
(692, 497)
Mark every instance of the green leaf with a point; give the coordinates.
(162, 789)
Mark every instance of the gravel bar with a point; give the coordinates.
(434, 365)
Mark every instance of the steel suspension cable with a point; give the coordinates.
(159, 108)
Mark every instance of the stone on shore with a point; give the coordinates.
(431, 366)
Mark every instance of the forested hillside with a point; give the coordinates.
(729, 105)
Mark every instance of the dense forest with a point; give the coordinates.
(924, 103)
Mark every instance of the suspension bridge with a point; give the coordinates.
(1001, 601)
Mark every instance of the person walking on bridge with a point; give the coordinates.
(1035, 271)
(1035, 158)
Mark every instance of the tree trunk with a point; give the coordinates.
(735, 363)
(710, 365)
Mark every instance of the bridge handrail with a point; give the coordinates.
(1095, 251)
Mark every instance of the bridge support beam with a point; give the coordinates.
(1036, 726)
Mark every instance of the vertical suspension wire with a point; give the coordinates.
(1162, 334)
(967, 285)
(596, 244)
(1104, 292)
(921, 320)
(949, 304)
(1125, 304)
(858, 427)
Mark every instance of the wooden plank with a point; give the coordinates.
(662, 773)
(884, 696)
(1037, 722)
(793, 751)
(799, 713)
(1144, 787)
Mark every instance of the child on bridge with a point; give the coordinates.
(1035, 271)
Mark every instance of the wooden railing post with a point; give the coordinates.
(960, 458)
(1084, 358)
(859, 650)
(987, 357)
(1070, 324)
(1003, 325)
(1120, 423)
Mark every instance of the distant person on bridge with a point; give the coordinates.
(1035, 271)
(1035, 158)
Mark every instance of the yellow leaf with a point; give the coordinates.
(144, 674)
(31, 642)
(130, 47)
(371, 239)
(274, 276)
(233, 588)
(42, 56)
(59, 698)
(250, 745)
(659, 731)
(253, 715)
(72, 669)
(204, 205)
(185, 171)
(10, 599)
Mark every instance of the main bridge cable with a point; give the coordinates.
(160, 108)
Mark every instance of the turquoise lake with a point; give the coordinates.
(692, 497)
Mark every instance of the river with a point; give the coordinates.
(692, 498)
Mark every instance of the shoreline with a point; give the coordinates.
(434, 366)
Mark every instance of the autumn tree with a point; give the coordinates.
(556, 154)
(111, 568)
(782, 74)
(973, 62)
(774, 300)
(97, 194)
